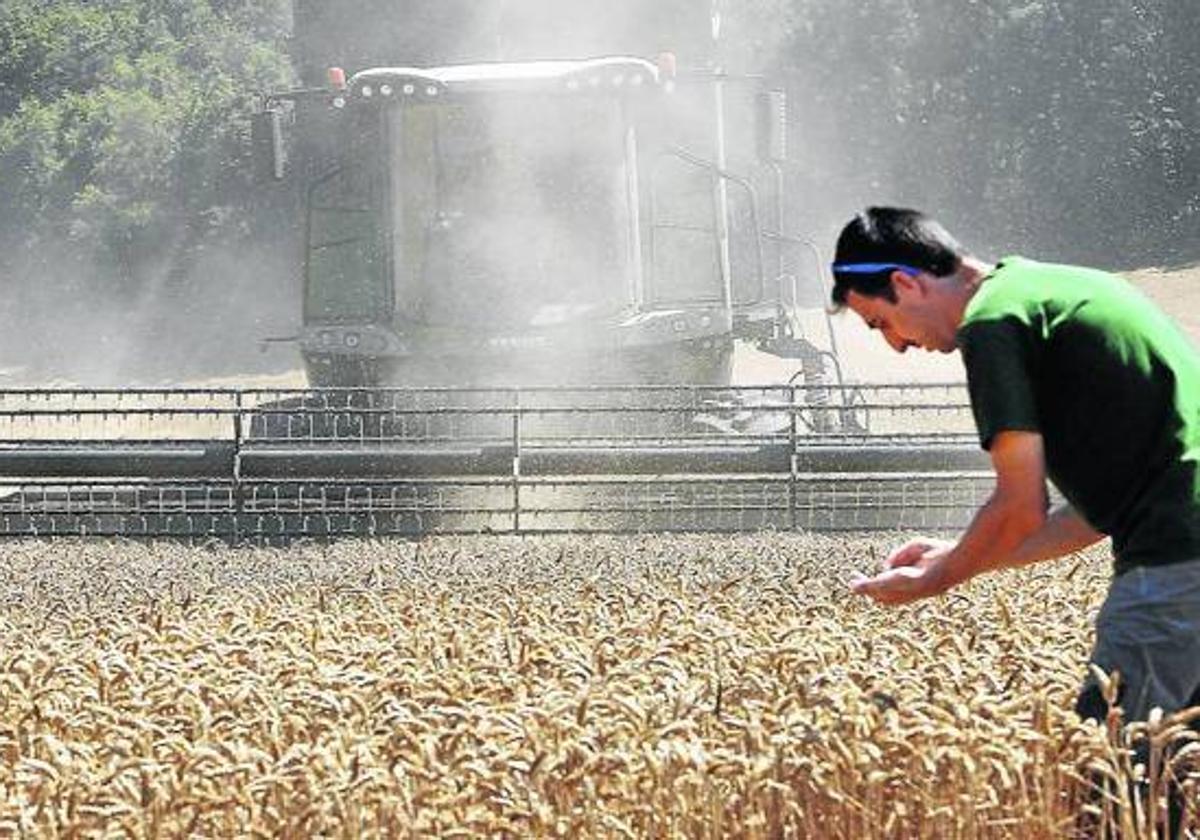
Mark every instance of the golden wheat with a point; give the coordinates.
(640, 686)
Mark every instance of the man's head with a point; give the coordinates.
(896, 268)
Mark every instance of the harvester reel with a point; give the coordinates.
(275, 465)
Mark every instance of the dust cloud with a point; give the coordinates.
(182, 325)
(544, 255)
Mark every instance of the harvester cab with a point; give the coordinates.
(542, 223)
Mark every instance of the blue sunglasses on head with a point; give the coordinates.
(873, 268)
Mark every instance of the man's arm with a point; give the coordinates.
(1015, 531)
(1011, 529)
(1064, 531)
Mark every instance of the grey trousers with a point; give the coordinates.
(1149, 630)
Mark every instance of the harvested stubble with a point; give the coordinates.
(694, 686)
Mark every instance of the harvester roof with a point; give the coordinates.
(590, 74)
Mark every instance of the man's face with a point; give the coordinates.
(918, 318)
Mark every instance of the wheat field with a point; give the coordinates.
(683, 686)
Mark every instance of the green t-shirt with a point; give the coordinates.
(1113, 387)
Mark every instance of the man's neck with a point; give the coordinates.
(974, 271)
(968, 278)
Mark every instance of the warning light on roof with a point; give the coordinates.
(667, 66)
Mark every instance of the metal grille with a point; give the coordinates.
(277, 464)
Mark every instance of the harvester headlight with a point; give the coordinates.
(636, 80)
(618, 80)
(679, 326)
(594, 81)
(572, 84)
(339, 102)
(431, 90)
(367, 91)
(706, 320)
(351, 340)
(385, 90)
(409, 89)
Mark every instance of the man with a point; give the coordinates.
(1073, 376)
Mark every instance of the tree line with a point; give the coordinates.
(123, 128)
(1063, 126)
(1067, 126)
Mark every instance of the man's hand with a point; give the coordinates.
(910, 572)
(917, 551)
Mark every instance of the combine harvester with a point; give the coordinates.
(524, 282)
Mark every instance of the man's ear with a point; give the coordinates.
(903, 281)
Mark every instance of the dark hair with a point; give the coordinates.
(891, 235)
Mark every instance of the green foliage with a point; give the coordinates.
(1065, 125)
(1062, 125)
(122, 120)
